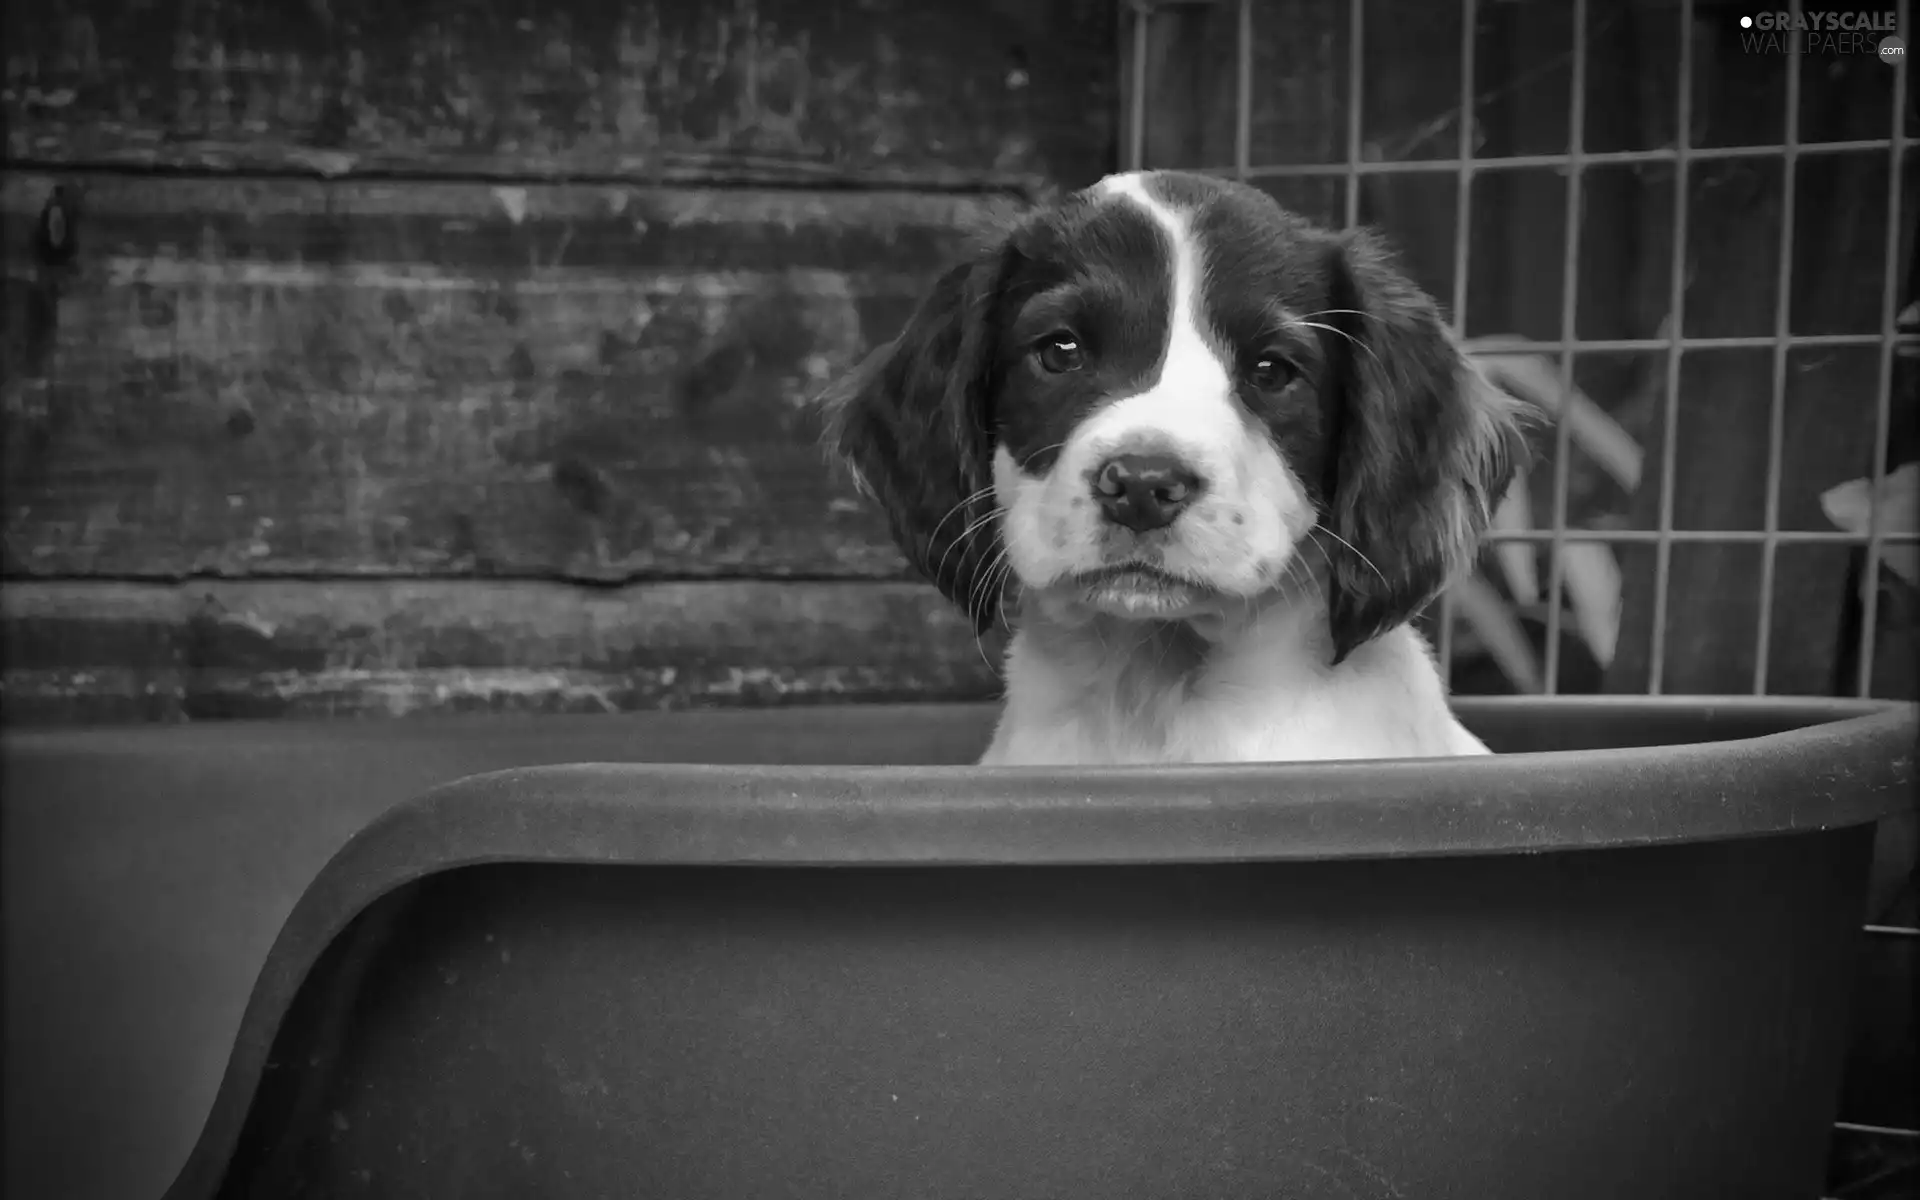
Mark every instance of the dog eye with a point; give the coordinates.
(1059, 353)
(1270, 372)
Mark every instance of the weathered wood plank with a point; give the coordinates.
(271, 378)
(137, 651)
(666, 90)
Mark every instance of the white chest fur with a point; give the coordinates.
(1091, 695)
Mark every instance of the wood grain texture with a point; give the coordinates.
(237, 378)
(119, 651)
(666, 90)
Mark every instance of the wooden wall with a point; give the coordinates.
(385, 358)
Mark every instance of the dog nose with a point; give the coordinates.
(1144, 491)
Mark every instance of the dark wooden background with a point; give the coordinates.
(455, 355)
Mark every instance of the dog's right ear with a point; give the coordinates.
(912, 425)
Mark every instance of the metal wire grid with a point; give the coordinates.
(1466, 166)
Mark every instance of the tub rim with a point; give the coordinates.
(1833, 773)
(1851, 764)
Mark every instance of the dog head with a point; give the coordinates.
(1166, 397)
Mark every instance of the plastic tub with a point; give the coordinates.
(1616, 965)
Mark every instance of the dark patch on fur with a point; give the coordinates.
(913, 422)
(1404, 452)
(1423, 449)
(920, 418)
(1101, 271)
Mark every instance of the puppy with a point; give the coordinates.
(1207, 461)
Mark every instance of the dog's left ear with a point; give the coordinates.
(1424, 447)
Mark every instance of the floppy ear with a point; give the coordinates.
(912, 425)
(1424, 447)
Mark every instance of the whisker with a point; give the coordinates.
(1001, 586)
(998, 572)
(980, 646)
(1297, 574)
(969, 498)
(1349, 545)
(963, 502)
(1342, 333)
(977, 523)
(1320, 546)
(977, 592)
(1289, 575)
(1340, 312)
(979, 635)
(960, 540)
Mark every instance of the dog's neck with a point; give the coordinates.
(1139, 683)
(1149, 659)
(1248, 684)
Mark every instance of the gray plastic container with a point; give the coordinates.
(1614, 963)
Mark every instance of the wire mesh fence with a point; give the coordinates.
(1336, 162)
(1573, 164)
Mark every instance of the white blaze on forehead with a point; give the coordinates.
(1250, 511)
(1190, 402)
